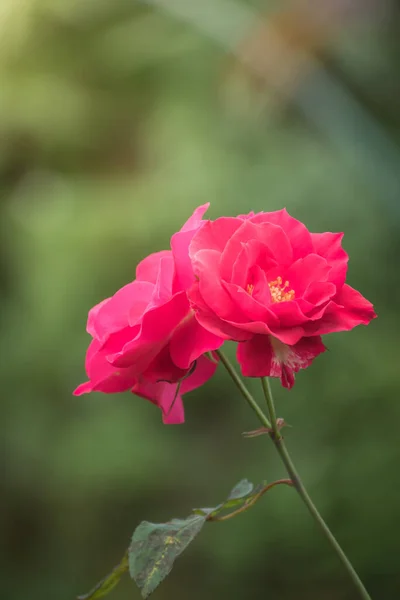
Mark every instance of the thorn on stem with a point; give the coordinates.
(265, 430)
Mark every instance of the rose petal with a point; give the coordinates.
(224, 329)
(92, 316)
(249, 306)
(329, 245)
(271, 236)
(250, 254)
(124, 308)
(319, 292)
(164, 396)
(156, 330)
(205, 369)
(148, 268)
(184, 271)
(210, 286)
(263, 356)
(305, 271)
(289, 314)
(213, 235)
(190, 340)
(195, 220)
(103, 377)
(261, 290)
(162, 368)
(347, 310)
(163, 288)
(209, 320)
(297, 232)
(180, 243)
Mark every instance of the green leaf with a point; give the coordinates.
(155, 547)
(208, 511)
(108, 583)
(243, 491)
(240, 492)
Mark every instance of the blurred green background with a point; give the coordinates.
(117, 119)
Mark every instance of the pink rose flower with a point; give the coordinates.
(265, 281)
(146, 338)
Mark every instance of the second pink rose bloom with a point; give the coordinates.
(146, 338)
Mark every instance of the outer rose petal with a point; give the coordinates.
(210, 286)
(319, 292)
(162, 368)
(164, 396)
(148, 268)
(184, 276)
(210, 321)
(163, 288)
(205, 369)
(190, 340)
(359, 311)
(264, 356)
(307, 270)
(158, 325)
(329, 245)
(248, 215)
(195, 221)
(213, 235)
(290, 315)
(347, 310)
(124, 308)
(103, 376)
(92, 316)
(180, 242)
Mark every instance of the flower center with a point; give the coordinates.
(280, 291)
(250, 289)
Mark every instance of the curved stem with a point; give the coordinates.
(271, 407)
(252, 501)
(279, 444)
(243, 389)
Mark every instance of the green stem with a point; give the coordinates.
(251, 502)
(271, 408)
(243, 389)
(279, 444)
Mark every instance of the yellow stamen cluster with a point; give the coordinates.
(279, 291)
(250, 288)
